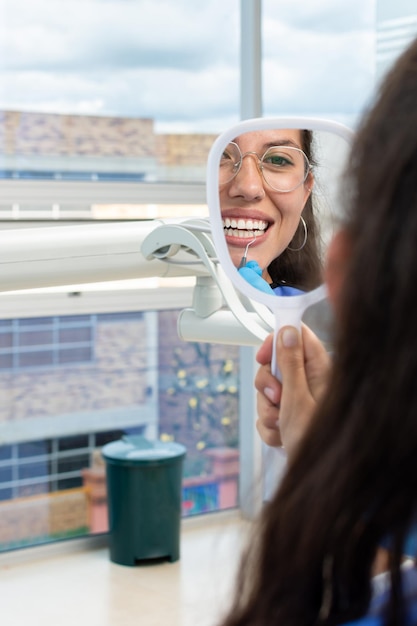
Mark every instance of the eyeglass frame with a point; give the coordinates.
(261, 165)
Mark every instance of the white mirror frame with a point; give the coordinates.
(287, 309)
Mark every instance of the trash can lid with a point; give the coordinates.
(137, 450)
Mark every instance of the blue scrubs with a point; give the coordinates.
(286, 290)
(377, 609)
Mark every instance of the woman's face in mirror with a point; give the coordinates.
(262, 202)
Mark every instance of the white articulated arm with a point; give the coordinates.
(206, 321)
(32, 258)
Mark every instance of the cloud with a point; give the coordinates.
(321, 62)
(178, 62)
(97, 35)
(323, 16)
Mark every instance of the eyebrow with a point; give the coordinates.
(281, 142)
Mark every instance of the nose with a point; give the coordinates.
(248, 182)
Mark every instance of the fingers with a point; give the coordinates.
(317, 362)
(264, 354)
(266, 424)
(280, 405)
(265, 381)
(285, 409)
(268, 396)
(290, 358)
(297, 403)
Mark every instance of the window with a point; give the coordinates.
(42, 342)
(108, 127)
(94, 126)
(143, 380)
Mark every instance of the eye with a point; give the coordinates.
(226, 158)
(276, 158)
(231, 155)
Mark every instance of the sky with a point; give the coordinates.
(177, 61)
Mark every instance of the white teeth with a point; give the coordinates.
(245, 228)
(245, 234)
(242, 234)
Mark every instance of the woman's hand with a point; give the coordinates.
(285, 409)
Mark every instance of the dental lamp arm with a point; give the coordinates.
(207, 301)
(32, 258)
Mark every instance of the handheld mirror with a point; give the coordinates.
(272, 196)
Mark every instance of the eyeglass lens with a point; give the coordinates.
(284, 168)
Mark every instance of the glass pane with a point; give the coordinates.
(75, 355)
(70, 483)
(36, 359)
(300, 61)
(34, 321)
(32, 470)
(6, 340)
(117, 317)
(34, 448)
(74, 319)
(69, 335)
(82, 120)
(144, 380)
(5, 494)
(198, 407)
(73, 463)
(81, 125)
(73, 443)
(5, 452)
(103, 438)
(6, 361)
(6, 474)
(36, 338)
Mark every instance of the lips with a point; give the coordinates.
(244, 228)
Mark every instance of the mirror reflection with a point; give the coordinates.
(277, 196)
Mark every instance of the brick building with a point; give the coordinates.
(97, 145)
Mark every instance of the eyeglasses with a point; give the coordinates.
(284, 168)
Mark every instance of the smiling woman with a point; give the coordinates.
(266, 185)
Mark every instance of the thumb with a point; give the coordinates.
(294, 403)
(289, 351)
(290, 359)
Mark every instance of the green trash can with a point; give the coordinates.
(144, 489)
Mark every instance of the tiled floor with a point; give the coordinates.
(79, 587)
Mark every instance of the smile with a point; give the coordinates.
(244, 228)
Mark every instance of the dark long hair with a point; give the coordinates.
(353, 482)
(302, 268)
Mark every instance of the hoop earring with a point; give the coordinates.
(302, 220)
